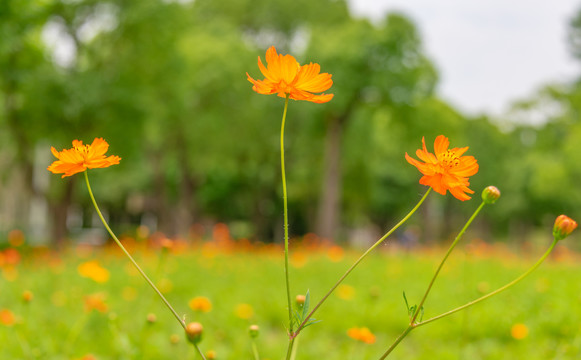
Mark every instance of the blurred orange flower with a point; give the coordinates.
(361, 334)
(95, 302)
(94, 271)
(447, 169)
(200, 303)
(82, 157)
(285, 76)
(519, 331)
(7, 317)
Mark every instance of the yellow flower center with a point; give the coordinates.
(83, 150)
(450, 159)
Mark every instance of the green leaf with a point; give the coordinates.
(306, 306)
(406, 302)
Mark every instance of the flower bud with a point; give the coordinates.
(490, 194)
(253, 330)
(151, 318)
(194, 332)
(211, 355)
(300, 299)
(564, 225)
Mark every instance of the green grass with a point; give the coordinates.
(56, 326)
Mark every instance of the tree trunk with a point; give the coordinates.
(329, 209)
(59, 212)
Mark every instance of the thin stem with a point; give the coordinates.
(182, 322)
(255, 351)
(458, 237)
(294, 349)
(290, 349)
(302, 325)
(497, 291)
(284, 196)
(397, 341)
(412, 325)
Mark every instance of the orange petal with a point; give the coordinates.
(309, 79)
(441, 145)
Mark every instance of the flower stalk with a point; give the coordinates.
(363, 256)
(182, 322)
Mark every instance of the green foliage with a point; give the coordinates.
(164, 83)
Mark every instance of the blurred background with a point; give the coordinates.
(164, 82)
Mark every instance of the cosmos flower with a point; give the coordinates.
(519, 331)
(200, 303)
(82, 157)
(362, 334)
(7, 317)
(93, 271)
(95, 302)
(285, 76)
(447, 169)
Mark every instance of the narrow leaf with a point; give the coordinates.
(406, 302)
(306, 305)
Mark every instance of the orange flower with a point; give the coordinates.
(95, 302)
(361, 334)
(94, 271)
(519, 331)
(82, 157)
(447, 170)
(200, 303)
(285, 76)
(7, 317)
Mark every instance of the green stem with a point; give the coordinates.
(456, 240)
(255, 351)
(290, 348)
(497, 291)
(402, 221)
(294, 349)
(182, 322)
(397, 341)
(284, 199)
(412, 325)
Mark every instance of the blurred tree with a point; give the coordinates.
(379, 71)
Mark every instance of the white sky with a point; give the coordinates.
(489, 52)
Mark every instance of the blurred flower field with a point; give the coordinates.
(90, 303)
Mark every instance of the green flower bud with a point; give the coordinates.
(254, 330)
(490, 194)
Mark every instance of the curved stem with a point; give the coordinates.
(284, 199)
(182, 322)
(284, 196)
(458, 237)
(497, 291)
(302, 325)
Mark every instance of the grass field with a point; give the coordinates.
(537, 319)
